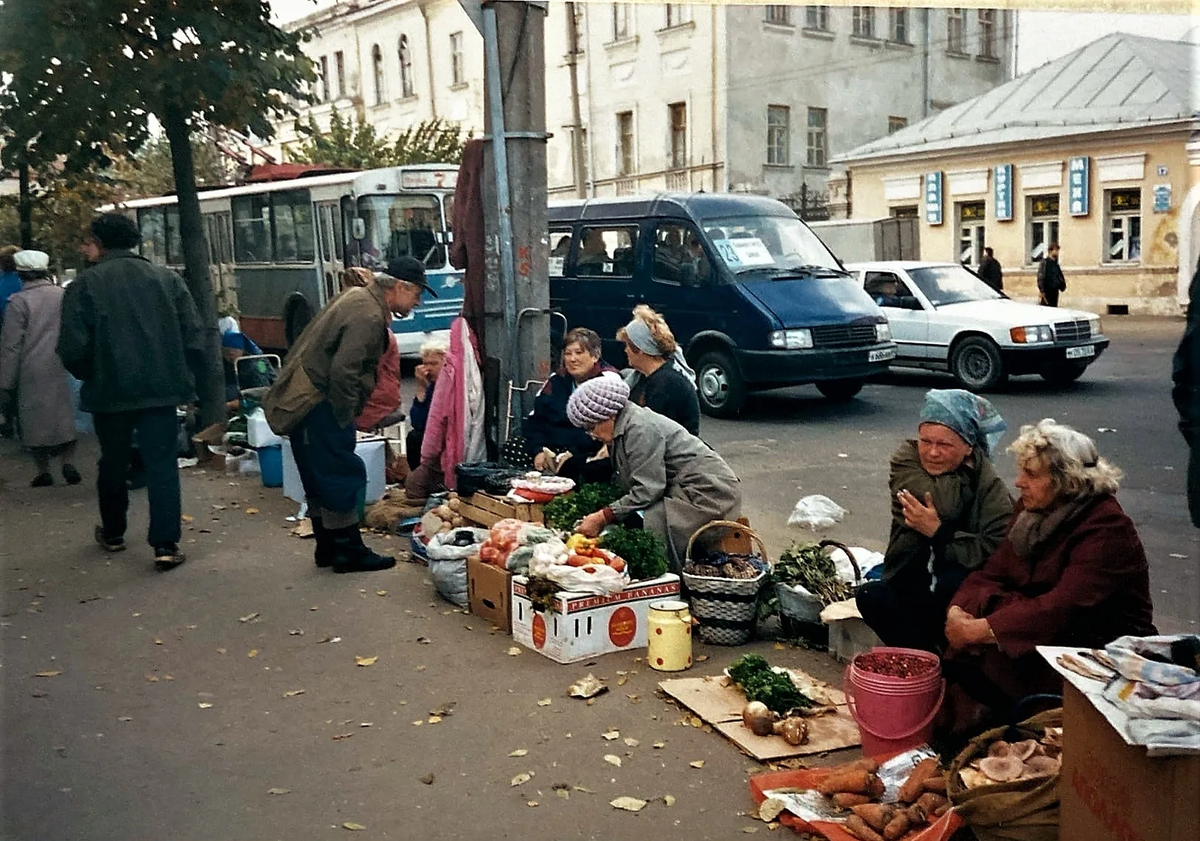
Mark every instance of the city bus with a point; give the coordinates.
(277, 248)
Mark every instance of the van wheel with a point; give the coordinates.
(840, 391)
(1062, 374)
(722, 390)
(976, 364)
(297, 313)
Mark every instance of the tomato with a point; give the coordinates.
(576, 560)
(617, 564)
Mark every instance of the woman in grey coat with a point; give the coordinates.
(31, 374)
(675, 480)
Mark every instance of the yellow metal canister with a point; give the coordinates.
(669, 627)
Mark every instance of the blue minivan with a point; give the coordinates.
(753, 297)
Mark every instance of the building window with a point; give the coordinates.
(896, 123)
(779, 14)
(818, 148)
(323, 73)
(622, 21)
(339, 61)
(625, 162)
(956, 30)
(377, 73)
(971, 227)
(816, 17)
(779, 129)
(898, 20)
(907, 211)
(1124, 225)
(678, 116)
(406, 77)
(457, 70)
(863, 22)
(987, 33)
(678, 14)
(1043, 225)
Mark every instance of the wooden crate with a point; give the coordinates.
(487, 510)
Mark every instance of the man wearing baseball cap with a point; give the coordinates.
(326, 380)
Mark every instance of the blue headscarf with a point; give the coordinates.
(239, 341)
(972, 418)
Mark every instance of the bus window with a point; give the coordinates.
(154, 234)
(174, 239)
(293, 227)
(251, 229)
(400, 226)
(560, 247)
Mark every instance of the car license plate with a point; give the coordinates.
(881, 355)
(1081, 352)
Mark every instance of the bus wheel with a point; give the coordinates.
(297, 312)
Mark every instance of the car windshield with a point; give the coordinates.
(944, 285)
(774, 244)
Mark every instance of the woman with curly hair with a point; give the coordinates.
(660, 378)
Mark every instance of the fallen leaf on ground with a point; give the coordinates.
(633, 743)
(424, 640)
(669, 799)
(381, 592)
(251, 510)
(695, 721)
(780, 647)
(341, 736)
(532, 804)
(124, 718)
(587, 687)
(38, 693)
(770, 808)
(612, 759)
(329, 639)
(365, 661)
(514, 651)
(749, 830)
(563, 793)
(292, 693)
(352, 826)
(435, 719)
(428, 779)
(699, 763)
(701, 658)
(204, 705)
(611, 734)
(584, 789)
(444, 710)
(55, 673)
(303, 529)
(519, 752)
(252, 652)
(520, 779)
(1178, 555)
(622, 680)
(187, 518)
(659, 745)
(418, 722)
(248, 617)
(629, 804)
(295, 632)
(545, 702)
(279, 791)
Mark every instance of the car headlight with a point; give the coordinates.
(792, 339)
(1031, 335)
(883, 332)
(1094, 324)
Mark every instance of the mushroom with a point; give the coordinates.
(1041, 766)
(1002, 769)
(758, 718)
(999, 748)
(1024, 749)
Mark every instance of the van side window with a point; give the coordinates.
(679, 257)
(606, 251)
(560, 247)
(885, 288)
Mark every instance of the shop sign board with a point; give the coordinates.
(1078, 173)
(1162, 198)
(1002, 191)
(933, 198)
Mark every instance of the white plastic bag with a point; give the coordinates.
(442, 545)
(450, 579)
(816, 512)
(596, 579)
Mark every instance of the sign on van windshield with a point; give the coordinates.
(744, 251)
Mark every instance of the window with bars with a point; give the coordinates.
(622, 17)
(377, 74)
(896, 123)
(678, 14)
(339, 62)
(971, 228)
(987, 33)
(816, 17)
(780, 14)
(898, 25)
(677, 113)
(406, 74)
(862, 21)
(818, 147)
(1124, 225)
(625, 142)
(458, 72)
(779, 118)
(1043, 225)
(956, 30)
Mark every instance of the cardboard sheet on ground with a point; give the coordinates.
(719, 703)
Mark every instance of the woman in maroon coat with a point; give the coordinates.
(1071, 571)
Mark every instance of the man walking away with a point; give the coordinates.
(1050, 280)
(990, 271)
(323, 386)
(1186, 393)
(131, 333)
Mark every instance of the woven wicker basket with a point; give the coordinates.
(727, 608)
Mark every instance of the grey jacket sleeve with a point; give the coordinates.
(645, 454)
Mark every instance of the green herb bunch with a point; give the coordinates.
(812, 568)
(565, 510)
(642, 551)
(754, 675)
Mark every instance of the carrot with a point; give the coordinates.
(877, 787)
(943, 809)
(897, 827)
(911, 789)
(876, 815)
(616, 563)
(845, 799)
(916, 815)
(856, 781)
(931, 801)
(859, 829)
(935, 784)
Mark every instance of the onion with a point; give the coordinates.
(758, 718)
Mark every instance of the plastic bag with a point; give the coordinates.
(536, 539)
(596, 579)
(816, 512)
(456, 544)
(450, 579)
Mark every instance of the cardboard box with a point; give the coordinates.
(487, 510)
(1114, 791)
(205, 440)
(489, 593)
(586, 626)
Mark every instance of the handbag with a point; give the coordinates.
(290, 399)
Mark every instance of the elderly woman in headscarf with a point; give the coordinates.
(660, 378)
(1071, 571)
(950, 510)
(675, 481)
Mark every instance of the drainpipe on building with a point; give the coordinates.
(925, 69)
(576, 120)
(429, 61)
(591, 160)
(712, 37)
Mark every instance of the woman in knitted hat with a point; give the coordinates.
(675, 481)
(950, 510)
(660, 378)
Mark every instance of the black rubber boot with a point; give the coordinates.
(350, 554)
(324, 553)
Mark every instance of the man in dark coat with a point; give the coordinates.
(328, 376)
(990, 271)
(1186, 393)
(131, 333)
(1050, 280)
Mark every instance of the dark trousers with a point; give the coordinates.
(333, 475)
(412, 447)
(904, 612)
(157, 431)
(1050, 299)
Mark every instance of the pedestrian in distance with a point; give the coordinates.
(1186, 394)
(9, 283)
(132, 335)
(990, 271)
(1050, 280)
(324, 385)
(32, 378)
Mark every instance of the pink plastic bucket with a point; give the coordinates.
(894, 713)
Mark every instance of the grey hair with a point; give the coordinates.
(434, 346)
(1076, 466)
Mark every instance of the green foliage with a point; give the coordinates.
(564, 511)
(642, 550)
(359, 146)
(149, 172)
(62, 212)
(810, 566)
(754, 675)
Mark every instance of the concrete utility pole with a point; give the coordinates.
(517, 289)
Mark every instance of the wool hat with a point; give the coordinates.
(29, 260)
(597, 400)
(411, 270)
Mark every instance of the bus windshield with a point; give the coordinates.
(768, 243)
(398, 226)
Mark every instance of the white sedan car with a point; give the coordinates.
(943, 317)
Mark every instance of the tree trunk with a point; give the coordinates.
(25, 205)
(210, 385)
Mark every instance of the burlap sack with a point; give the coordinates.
(1024, 810)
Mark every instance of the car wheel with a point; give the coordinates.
(840, 391)
(1062, 374)
(976, 364)
(722, 390)
(297, 313)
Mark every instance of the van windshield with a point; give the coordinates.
(768, 244)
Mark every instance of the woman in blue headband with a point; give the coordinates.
(660, 378)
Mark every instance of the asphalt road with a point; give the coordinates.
(173, 704)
